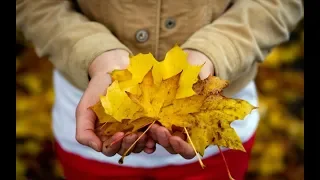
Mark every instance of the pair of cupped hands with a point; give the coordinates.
(100, 79)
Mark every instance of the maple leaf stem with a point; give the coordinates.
(198, 156)
(119, 139)
(115, 141)
(225, 163)
(103, 125)
(135, 142)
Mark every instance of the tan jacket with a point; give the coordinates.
(235, 34)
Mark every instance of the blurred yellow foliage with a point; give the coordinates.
(283, 55)
(34, 100)
(278, 151)
(20, 169)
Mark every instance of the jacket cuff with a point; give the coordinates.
(222, 52)
(85, 51)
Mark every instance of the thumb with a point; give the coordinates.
(198, 58)
(206, 70)
(85, 117)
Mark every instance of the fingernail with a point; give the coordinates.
(93, 145)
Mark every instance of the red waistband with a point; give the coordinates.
(78, 168)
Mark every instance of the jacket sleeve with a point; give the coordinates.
(245, 33)
(69, 40)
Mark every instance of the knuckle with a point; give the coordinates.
(78, 109)
(79, 138)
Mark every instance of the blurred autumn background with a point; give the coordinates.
(279, 149)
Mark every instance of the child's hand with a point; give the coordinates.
(198, 58)
(86, 118)
(175, 143)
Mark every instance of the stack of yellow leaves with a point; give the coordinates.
(171, 93)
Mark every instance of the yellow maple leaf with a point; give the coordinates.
(154, 97)
(108, 125)
(126, 126)
(130, 78)
(175, 62)
(171, 93)
(121, 75)
(117, 103)
(189, 76)
(100, 113)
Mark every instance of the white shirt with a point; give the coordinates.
(64, 127)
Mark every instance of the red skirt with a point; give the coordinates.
(78, 168)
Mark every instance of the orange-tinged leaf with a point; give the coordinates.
(201, 135)
(184, 106)
(126, 126)
(227, 109)
(226, 136)
(101, 114)
(182, 120)
(112, 128)
(140, 123)
(213, 85)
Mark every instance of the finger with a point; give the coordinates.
(100, 129)
(149, 150)
(170, 150)
(85, 117)
(206, 70)
(181, 147)
(157, 133)
(150, 143)
(152, 132)
(111, 150)
(127, 142)
(85, 133)
(162, 135)
(178, 134)
(150, 146)
(141, 144)
(197, 58)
